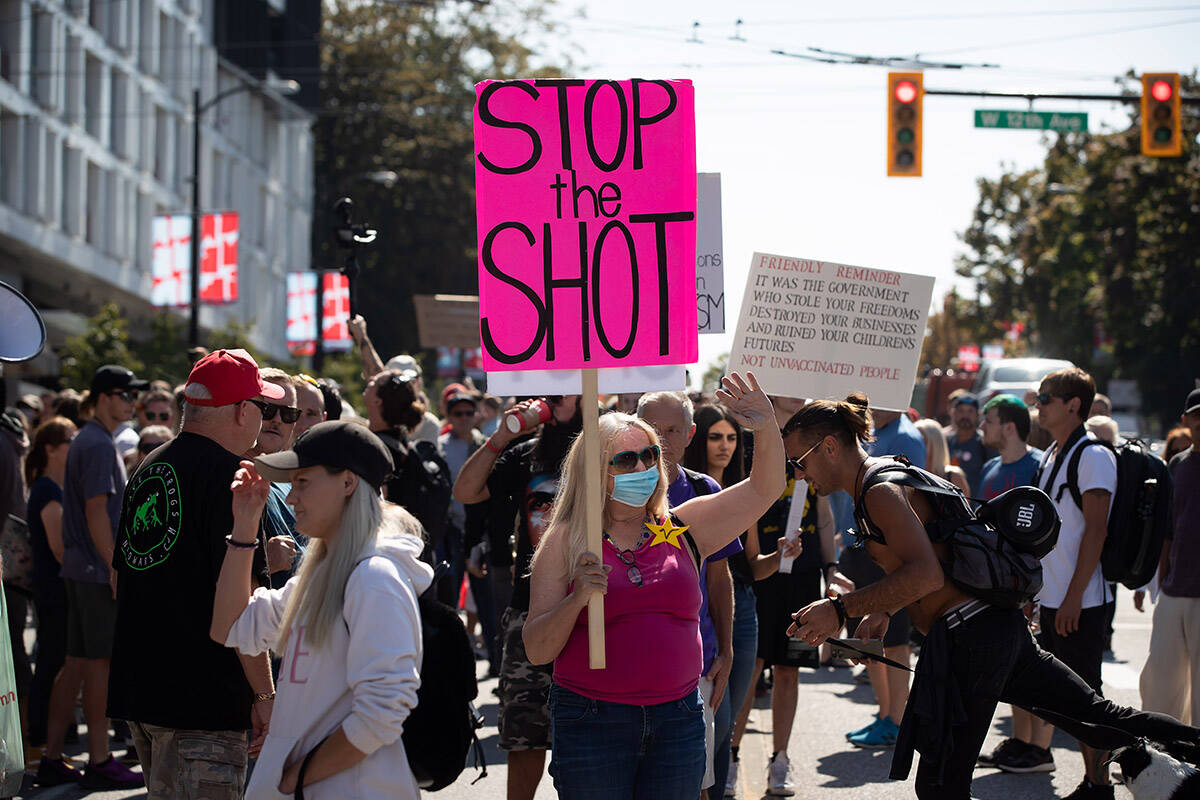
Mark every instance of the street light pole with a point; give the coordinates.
(194, 275)
(281, 87)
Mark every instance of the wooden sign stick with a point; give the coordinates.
(593, 475)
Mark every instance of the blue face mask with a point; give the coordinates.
(634, 488)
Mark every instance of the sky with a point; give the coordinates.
(800, 145)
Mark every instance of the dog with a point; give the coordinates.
(1152, 774)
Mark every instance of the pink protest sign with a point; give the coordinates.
(586, 212)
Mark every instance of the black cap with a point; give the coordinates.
(461, 397)
(115, 378)
(338, 443)
(966, 398)
(1193, 402)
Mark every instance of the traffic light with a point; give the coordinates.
(906, 93)
(1162, 134)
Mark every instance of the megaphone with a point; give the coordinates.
(22, 332)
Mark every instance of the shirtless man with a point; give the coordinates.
(974, 655)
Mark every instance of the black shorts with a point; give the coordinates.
(1083, 650)
(777, 598)
(91, 619)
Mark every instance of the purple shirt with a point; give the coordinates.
(678, 493)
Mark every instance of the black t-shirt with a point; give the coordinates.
(166, 670)
(48, 590)
(522, 490)
(773, 524)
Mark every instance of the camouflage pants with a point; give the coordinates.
(524, 721)
(191, 765)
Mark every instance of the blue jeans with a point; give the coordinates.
(745, 650)
(614, 751)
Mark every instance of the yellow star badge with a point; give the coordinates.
(666, 532)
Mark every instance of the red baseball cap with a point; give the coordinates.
(230, 376)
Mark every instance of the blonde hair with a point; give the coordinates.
(568, 516)
(320, 590)
(937, 454)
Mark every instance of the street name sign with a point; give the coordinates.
(1066, 121)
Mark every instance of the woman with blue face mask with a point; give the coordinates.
(636, 728)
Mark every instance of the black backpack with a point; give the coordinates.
(1139, 520)
(440, 732)
(995, 550)
(420, 482)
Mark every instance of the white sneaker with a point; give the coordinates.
(779, 777)
(731, 780)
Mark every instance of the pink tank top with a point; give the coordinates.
(652, 631)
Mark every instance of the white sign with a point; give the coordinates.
(621, 380)
(820, 329)
(710, 254)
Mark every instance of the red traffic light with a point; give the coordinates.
(906, 91)
(1161, 91)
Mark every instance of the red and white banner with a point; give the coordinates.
(219, 258)
(968, 357)
(302, 312)
(171, 263)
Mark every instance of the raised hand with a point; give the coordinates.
(250, 492)
(746, 401)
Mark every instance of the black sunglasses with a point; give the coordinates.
(798, 463)
(1045, 397)
(627, 460)
(633, 573)
(124, 394)
(287, 414)
(463, 413)
(161, 417)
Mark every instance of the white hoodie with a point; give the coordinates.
(364, 679)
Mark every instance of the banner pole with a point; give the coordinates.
(593, 475)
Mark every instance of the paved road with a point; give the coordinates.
(825, 768)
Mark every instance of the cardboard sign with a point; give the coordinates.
(586, 214)
(820, 329)
(710, 254)
(447, 320)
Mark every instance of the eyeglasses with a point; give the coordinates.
(147, 448)
(1044, 398)
(124, 394)
(798, 463)
(634, 574)
(466, 413)
(627, 460)
(287, 414)
(160, 417)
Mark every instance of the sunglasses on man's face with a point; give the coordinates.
(1044, 398)
(798, 463)
(287, 414)
(470, 412)
(127, 396)
(161, 416)
(627, 460)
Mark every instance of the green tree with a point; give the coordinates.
(710, 381)
(398, 86)
(106, 341)
(1098, 252)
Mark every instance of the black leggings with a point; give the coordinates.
(995, 659)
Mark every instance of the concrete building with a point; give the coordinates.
(96, 139)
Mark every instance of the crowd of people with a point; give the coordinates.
(249, 536)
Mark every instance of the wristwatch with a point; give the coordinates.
(263, 697)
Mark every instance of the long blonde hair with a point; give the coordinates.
(937, 454)
(568, 517)
(319, 594)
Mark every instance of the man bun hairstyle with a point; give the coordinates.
(848, 420)
(401, 406)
